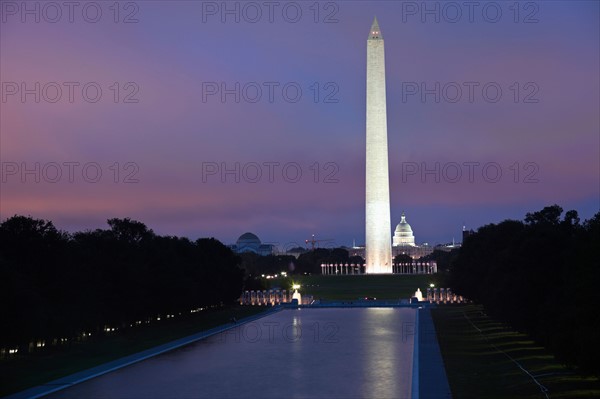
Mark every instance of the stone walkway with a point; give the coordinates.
(433, 382)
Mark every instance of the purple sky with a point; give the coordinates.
(545, 124)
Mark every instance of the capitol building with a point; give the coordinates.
(403, 236)
(403, 242)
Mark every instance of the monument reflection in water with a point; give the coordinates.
(318, 353)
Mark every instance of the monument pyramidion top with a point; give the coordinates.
(375, 33)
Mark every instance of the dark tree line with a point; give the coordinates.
(403, 258)
(256, 265)
(56, 284)
(308, 262)
(542, 276)
(443, 259)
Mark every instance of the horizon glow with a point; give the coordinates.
(158, 134)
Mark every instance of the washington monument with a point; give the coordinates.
(378, 238)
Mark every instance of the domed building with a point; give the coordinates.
(403, 236)
(249, 242)
(403, 243)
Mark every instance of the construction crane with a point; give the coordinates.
(313, 242)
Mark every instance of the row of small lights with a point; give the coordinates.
(268, 276)
(283, 274)
(41, 344)
(158, 318)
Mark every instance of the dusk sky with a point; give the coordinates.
(169, 131)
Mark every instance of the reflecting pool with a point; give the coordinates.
(295, 353)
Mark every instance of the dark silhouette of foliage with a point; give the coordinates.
(256, 265)
(310, 261)
(442, 258)
(357, 260)
(402, 258)
(541, 276)
(59, 285)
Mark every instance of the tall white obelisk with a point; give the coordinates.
(378, 230)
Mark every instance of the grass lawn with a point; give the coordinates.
(353, 287)
(28, 371)
(476, 369)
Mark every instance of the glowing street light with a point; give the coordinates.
(432, 285)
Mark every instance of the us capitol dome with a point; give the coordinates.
(403, 236)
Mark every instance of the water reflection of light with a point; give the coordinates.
(296, 365)
(387, 357)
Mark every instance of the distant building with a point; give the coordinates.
(356, 250)
(404, 241)
(403, 236)
(414, 251)
(447, 247)
(249, 242)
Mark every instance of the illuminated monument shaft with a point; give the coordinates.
(378, 246)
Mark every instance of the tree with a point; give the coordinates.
(128, 230)
(541, 277)
(58, 285)
(402, 258)
(548, 215)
